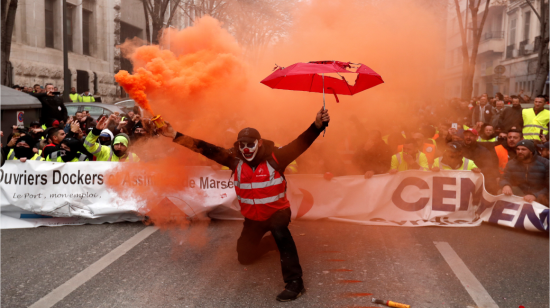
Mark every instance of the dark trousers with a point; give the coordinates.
(251, 247)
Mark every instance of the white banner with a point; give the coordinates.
(40, 193)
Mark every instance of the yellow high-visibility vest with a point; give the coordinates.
(533, 123)
(399, 163)
(74, 97)
(467, 164)
(87, 99)
(488, 140)
(56, 157)
(11, 156)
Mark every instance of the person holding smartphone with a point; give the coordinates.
(53, 107)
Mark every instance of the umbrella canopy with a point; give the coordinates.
(310, 77)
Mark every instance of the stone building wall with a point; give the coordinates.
(34, 63)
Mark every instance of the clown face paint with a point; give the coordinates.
(249, 149)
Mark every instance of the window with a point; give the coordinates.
(82, 81)
(512, 38)
(526, 25)
(86, 20)
(70, 24)
(96, 111)
(71, 109)
(49, 20)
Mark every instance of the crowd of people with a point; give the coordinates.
(60, 137)
(494, 136)
(84, 97)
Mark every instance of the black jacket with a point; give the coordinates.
(487, 115)
(485, 159)
(377, 158)
(231, 157)
(52, 108)
(532, 178)
(511, 117)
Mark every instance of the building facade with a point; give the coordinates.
(94, 27)
(509, 38)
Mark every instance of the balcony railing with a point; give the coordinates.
(522, 45)
(510, 51)
(493, 35)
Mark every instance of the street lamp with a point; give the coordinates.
(66, 71)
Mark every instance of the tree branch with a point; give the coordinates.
(463, 30)
(172, 13)
(534, 10)
(485, 13)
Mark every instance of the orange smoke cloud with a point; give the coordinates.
(199, 81)
(199, 59)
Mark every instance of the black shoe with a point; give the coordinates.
(292, 291)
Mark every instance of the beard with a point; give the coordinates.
(523, 157)
(120, 153)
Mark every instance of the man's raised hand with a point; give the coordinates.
(322, 118)
(102, 123)
(167, 130)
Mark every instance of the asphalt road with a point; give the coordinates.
(343, 265)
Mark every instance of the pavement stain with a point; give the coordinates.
(349, 281)
(356, 294)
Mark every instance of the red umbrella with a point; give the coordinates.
(311, 77)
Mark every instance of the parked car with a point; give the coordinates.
(95, 109)
(126, 105)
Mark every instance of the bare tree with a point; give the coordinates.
(198, 8)
(9, 8)
(542, 68)
(156, 12)
(470, 57)
(254, 24)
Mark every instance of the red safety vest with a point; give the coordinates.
(261, 192)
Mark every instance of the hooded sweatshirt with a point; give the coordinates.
(107, 153)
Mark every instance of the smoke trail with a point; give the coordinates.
(198, 80)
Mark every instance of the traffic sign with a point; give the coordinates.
(500, 69)
(20, 118)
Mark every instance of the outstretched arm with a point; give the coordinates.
(218, 154)
(288, 153)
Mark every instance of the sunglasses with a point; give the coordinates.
(243, 145)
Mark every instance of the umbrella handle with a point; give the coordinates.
(324, 124)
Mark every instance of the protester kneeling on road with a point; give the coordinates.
(453, 159)
(118, 151)
(24, 150)
(69, 152)
(526, 175)
(258, 167)
(409, 159)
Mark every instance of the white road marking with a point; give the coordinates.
(72, 284)
(467, 279)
